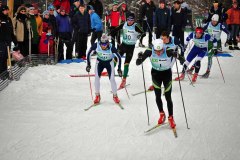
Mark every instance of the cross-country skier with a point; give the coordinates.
(162, 58)
(198, 49)
(173, 43)
(131, 32)
(105, 52)
(214, 28)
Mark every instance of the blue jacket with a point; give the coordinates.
(63, 24)
(96, 22)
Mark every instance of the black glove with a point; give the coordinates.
(215, 52)
(119, 72)
(140, 55)
(93, 29)
(88, 68)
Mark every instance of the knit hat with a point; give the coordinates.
(21, 8)
(75, 1)
(177, 2)
(215, 1)
(90, 7)
(51, 7)
(3, 8)
(131, 17)
(62, 8)
(44, 13)
(16, 48)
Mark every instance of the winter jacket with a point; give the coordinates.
(178, 18)
(114, 18)
(233, 16)
(98, 7)
(82, 22)
(21, 28)
(46, 43)
(63, 24)
(35, 35)
(148, 11)
(62, 3)
(39, 24)
(9, 30)
(96, 22)
(163, 19)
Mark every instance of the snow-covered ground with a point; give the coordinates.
(42, 117)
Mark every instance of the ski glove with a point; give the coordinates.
(215, 52)
(140, 55)
(88, 68)
(119, 72)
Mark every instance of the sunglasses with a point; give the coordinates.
(23, 11)
(130, 20)
(51, 10)
(104, 44)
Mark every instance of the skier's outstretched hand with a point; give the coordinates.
(139, 59)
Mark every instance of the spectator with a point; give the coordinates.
(0, 3)
(96, 25)
(52, 20)
(5, 33)
(82, 23)
(217, 9)
(114, 20)
(234, 22)
(21, 28)
(75, 8)
(146, 19)
(34, 30)
(178, 20)
(162, 19)
(98, 7)
(64, 33)
(38, 20)
(124, 12)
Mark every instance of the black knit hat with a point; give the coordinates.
(3, 8)
(177, 2)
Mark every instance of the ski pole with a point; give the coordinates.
(220, 69)
(145, 93)
(126, 90)
(182, 96)
(90, 85)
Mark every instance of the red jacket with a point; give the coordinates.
(43, 44)
(233, 16)
(114, 18)
(62, 3)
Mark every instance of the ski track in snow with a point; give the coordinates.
(42, 116)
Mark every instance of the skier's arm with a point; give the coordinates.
(177, 43)
(212, 39)
(205, 27)
(190, 36)
(90, 52)
(116, 29)
(224, 29)
(143, 56)
(116, 54)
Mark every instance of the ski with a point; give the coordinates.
(134, 94)
(120, 105)
(86, 75)
(93, 105)
(155, 127)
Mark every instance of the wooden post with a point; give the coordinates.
(10, 4)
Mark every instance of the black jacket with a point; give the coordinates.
(81, 22)
(147, 10)
(7, 29)
(163, 19)
(178, 18)
(220, 11)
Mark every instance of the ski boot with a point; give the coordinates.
(230, 48)
(206, 75)
(171, 122)
(151, 88)
(162, 118)
(194, 77)
(180, 78)
(97, 99)
(123, 83)
(236, 48)
(116, 99)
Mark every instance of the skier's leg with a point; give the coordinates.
(98, 71)
(167, 82)
(110, 70)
